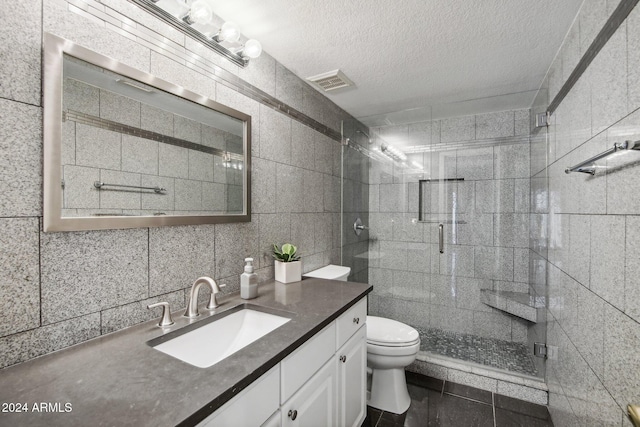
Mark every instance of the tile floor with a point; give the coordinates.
(514, 357)
(436, 403)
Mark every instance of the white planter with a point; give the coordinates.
(287, 272)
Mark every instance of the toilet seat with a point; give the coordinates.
(394, 351)
(384, 344)
(390, 333)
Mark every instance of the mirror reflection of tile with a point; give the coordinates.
(186, 158)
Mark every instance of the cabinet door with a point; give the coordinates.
(315, 403)
(261, 397)
(352, 380)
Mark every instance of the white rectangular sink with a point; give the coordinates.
(216, 340)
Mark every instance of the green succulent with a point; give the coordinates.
(287, 254)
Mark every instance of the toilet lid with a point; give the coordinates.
(388, 332)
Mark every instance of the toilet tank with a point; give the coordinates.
(331, 272)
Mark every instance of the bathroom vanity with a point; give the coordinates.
(311, 368)
(323, 382)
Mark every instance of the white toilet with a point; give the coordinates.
(391, 346)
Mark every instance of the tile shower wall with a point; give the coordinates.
(412, 281)
(59, 289)
(585, 229)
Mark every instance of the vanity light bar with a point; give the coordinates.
(179, 23)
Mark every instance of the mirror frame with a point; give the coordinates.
(54, 49)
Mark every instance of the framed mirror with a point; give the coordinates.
(125, 149)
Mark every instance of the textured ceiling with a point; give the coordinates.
(408, 54)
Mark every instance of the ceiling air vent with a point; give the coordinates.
(332, 80)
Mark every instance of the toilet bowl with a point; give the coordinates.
(391, 346)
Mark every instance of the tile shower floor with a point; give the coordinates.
(514, 357)
(437, 403)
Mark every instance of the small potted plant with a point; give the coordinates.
(287, 266)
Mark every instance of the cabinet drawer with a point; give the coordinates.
(299, 366)
(261, 397)
(351, 321)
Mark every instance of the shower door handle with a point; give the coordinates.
(441, 238)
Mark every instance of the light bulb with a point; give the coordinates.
(200, 13)
(177, 8)
(252, 49)
(230, 32)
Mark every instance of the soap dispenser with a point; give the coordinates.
(248, 281)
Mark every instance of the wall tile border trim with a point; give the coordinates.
(615, 20)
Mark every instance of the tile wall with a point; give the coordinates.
(59, 289)
(412, 281)
(585, 228)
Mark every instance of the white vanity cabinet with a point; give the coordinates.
(336, 394)
(322, 383)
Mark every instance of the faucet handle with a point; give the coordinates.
(213, 302)
(166, 319)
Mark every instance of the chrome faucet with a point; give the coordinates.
(192, 305)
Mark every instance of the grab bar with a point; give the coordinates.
(158, 190)
(580, 167)
(439, 221)
(441, 238)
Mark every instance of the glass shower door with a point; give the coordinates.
(355, 201)
(448, 239)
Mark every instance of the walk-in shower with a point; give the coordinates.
(447, 250)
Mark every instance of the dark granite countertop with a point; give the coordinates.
(118, 379)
